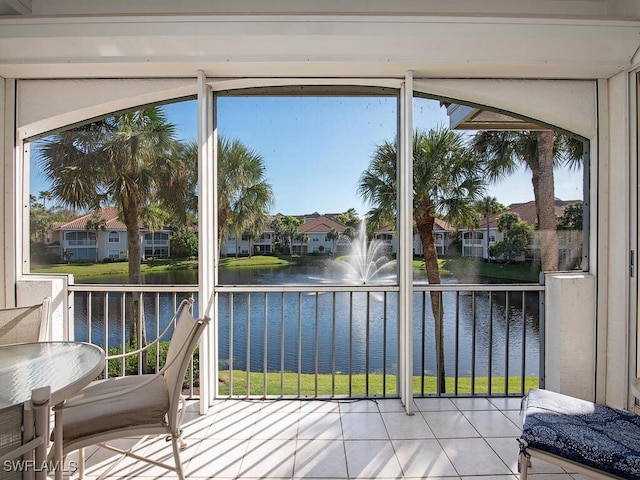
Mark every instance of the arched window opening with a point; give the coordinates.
(110, 179)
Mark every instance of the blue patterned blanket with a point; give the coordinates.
(595, 435)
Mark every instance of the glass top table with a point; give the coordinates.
(66, 367)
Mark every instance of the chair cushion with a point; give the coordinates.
(144, 406)
(595, 435)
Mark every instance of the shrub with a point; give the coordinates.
(114, 367)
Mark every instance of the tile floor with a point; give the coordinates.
(461, 438)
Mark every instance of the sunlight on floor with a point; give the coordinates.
(468, 438)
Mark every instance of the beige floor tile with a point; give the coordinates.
(507, 403)
(276, 425)
(359, 406)
(473, 404)
(363, 426)
(268, 459)
(217, 459)
(196, 426)
(473, 456)
(423, 459)
(320, 406)
(372, 459)
(391, 405)
(319, 425)
(490, 477)
(492, 423)
(507, 449)
(434, 404)
(323, 459)
(336, 439)
(402, 426)
(233, 424)
(448, 424)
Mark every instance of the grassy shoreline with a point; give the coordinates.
(466, 269)
(361, 384)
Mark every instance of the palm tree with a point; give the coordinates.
(96, 222)
(244, 196)
(254, 232)
(446, 181)
(487, 206)
(333, 235)
(285, 229)
(122, 160)
(349, 218)
(45, 195)
(125, 160)
(541, 151)
(153, 217)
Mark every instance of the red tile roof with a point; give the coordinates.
(109, 214)
(526, 211)
(321, 224)
(439, 226)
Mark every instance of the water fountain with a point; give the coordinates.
(368, 262)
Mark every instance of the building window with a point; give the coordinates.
(80, 238)
(114, 237)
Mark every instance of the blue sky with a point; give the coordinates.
(315, 148)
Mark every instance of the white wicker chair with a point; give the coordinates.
(25, 324)
(24, 432)
(136, 405)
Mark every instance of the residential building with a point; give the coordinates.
(317, 238)
(314, 232)
(444, 235)
(476, 244)
(80, 240)
(232, 245)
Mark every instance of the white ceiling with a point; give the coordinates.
(15, 7)
(573, 39)
(598, 8)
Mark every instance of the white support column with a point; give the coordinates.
(7, 202)
(207, 242)
(570, 334)
(405, 244)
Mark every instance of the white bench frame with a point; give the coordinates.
(524, 462)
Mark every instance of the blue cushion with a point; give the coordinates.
(595, 435)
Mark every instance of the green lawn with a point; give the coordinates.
(80, 269)
(464, 268)
(469, 268)
(361, 385)
(257, 261)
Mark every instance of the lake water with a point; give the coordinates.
(350, 332)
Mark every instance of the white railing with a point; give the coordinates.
(109, 314)
(338, 341)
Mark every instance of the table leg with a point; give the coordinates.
(57, 443)
(40, 402)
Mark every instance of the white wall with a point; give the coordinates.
(32, 290)
(612, 242)
(570, 334)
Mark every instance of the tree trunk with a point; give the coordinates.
(546, 203)
(222, 219)
(487, 239)
(425, 224)
(131, 220)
